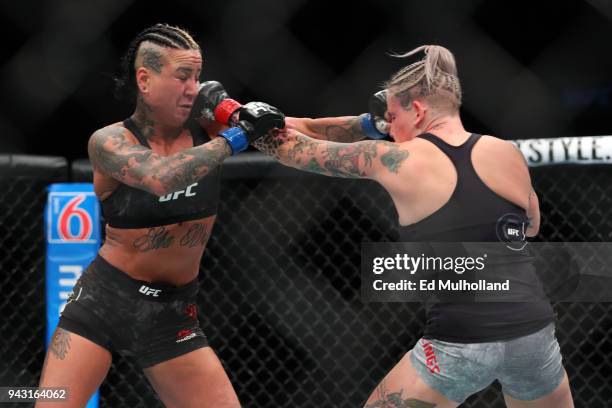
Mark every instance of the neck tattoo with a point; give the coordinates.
(143, 118)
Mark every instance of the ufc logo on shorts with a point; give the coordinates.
(145, 290)
(177, 194)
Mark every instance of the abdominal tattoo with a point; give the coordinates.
(156, 238)
(196, 235)
(160, 237)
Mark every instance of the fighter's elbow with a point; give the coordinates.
(532, 232)
(533, 226)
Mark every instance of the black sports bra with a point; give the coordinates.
(129, 207)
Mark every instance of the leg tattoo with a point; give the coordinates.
(60, 343)
(394, 400)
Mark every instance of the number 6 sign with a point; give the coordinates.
(70, 217)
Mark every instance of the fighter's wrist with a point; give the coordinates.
(368, 125)
(226, 109)
(236, 138)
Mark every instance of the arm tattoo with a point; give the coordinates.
(155, 238)
(355, 160)
(331, 159)
(347, 132)
(184, 168)
(394, 400)
(115, 155)
(344, 161)
(314, 167)
(393, 158)
(60, 343)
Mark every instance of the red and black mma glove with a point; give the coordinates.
(374, 124)
(255, 120)
(252, 121)
(213, 103)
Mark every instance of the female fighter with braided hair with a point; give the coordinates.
(447, 184)
(156, 175)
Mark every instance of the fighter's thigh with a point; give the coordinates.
(403, 384)
(195, 379)
(561, 397)
(75, 363)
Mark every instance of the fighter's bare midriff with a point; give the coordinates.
(168, 254)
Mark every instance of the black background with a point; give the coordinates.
(528, 69)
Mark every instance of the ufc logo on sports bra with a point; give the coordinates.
(149, 291)
(177, 194)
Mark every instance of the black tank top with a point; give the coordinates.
(129, 207)
(471, 215)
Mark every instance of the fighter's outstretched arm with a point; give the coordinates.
(343, 129)
(366, 159)
(347, 129)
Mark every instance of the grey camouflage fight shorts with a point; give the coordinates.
(527, 367)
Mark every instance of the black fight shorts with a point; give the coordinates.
(151, 323)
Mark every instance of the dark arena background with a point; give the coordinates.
(280, 281)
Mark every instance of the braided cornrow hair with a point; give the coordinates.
(163, 35)
(434, 77)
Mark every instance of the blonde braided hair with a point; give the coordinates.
(433, 78)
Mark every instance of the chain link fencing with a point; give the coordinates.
(280, 289)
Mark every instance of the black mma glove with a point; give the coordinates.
(213, 103)
(255, 119)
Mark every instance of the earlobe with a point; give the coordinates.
(142, 79)
(419, 112)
